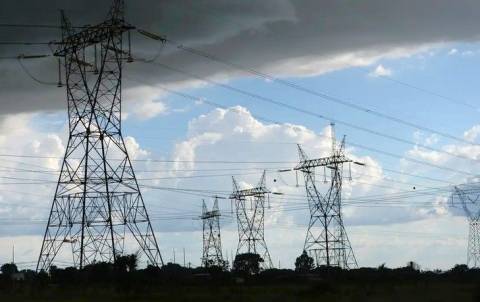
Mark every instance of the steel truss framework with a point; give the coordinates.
(473, 254)
(469, 198)
(212, 243)
(97, 200)
(250, 220)
(326, 240)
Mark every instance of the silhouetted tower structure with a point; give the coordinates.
(326, 240)
(97, 200)
(212, 243)
(468, 196)
(250, 211)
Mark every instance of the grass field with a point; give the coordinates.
(312, 291)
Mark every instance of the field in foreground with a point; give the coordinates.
(312, 291)
(113, 282)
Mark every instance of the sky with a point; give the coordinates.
(398, 78)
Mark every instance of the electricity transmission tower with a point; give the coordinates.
(326, 240)
(212, 244)
(469, 198)
(97, 200)
(250, 220)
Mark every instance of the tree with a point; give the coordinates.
(304, 263)
(126, 263)
(211, 265)
(460, 269)
(413, 266)
(9, 269)
(248, 263)
(54, 272)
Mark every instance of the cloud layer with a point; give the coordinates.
(291, 38)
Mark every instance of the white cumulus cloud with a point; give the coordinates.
(381, 71)
(472, 133)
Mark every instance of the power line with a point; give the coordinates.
(410, 159)
(358, 145)
(7, 25)
(290, 84)
(261, 162)
(311, 113)
(25, 69)
(50, 83)
(210, 192)
(398, 195)
(51, 171)
(23, 43)
(310, 91)
(291, 107)
(426, 91)
(173, 170)
(159, 160)
(417, 176)
(38, 26)
(357, 127)
(44, 182)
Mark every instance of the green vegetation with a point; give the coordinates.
(247, 264)
(122, 281)
(304, 263)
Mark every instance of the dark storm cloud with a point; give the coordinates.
(277, 35)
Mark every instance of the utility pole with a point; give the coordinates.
(212, 243)
(326, 240)
(97, 200)
(250, 220)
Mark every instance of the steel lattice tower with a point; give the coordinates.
(212, 244)
(250, 220)
(469, 198)
(326, 240)
(97, 199)
(473, 254)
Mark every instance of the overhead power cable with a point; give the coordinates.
(426, 91)
(311, 113)
(210, 192)
(290, 107)
(12, 25)
(316, 93)
(37, 26)
(214, 104)
(323, 117)
(36, 79)
(258, 170)
(23, 43)
(411, 159)
(161, 160)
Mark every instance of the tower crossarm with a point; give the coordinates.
(249, 193)
(91, 35)
(210, 214)
(322, 162)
